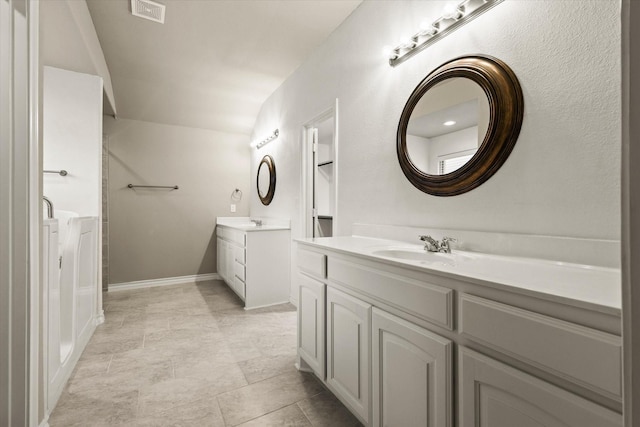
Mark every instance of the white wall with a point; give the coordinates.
(418, 149)
(72, 140)
(562, 178)
(449, 143)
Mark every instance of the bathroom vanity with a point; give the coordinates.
(404, 337)
(253, 259)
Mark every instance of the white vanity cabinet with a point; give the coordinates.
(254, 263)
(382, 337)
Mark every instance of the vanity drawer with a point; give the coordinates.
(239, 270)
(239, 287)
(240, 254)
(236, 236)
(313, 263)
(424, 300)
(222, 232)
(585, 356)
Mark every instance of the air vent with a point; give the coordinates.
(148, 9)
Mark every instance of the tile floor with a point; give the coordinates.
(190, 355)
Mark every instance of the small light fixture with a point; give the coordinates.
(449, 123)
(267, 140)
(454, 16)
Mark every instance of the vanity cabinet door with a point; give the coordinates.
(230, 264)
(222, 258)
(411, 373)
(311, 320)
(493, 394)
(348, 347)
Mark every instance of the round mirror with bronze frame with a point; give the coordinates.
(266, 179)
(505, 112)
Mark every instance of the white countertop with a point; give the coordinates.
(245, 224)
(597, 288)
(253, 227)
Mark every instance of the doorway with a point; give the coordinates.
(320, 161)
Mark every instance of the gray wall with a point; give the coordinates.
(170, 233)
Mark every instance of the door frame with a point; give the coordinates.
(308, 170)
(20, 213)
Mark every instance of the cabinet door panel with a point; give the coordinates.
(348, 334)
(493, 394)
(222, 259)
(311, 320)
(411, 374)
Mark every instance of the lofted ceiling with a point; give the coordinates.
(212, 63)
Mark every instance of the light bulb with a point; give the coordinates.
(428, 29)
(449, 123)
(407, 43)
(451, 11)
(389, 52)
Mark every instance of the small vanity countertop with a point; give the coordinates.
(245, 224)
(597, 288)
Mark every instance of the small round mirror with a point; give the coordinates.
(266, 181)
(459, 125)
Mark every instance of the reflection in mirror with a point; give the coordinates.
(263, 180)
(447, 126)
(266, 181)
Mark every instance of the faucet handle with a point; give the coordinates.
(445, 244)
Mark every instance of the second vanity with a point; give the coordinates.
(253, 259)
(408, 338)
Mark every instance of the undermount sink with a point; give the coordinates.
(422, 256)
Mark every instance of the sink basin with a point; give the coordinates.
(420, 255)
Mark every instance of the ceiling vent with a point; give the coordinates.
(148, 9)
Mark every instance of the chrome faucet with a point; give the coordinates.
(257, 221)
(432, 245)
(49, 206)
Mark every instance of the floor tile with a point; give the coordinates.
(260, 398)
(261, 368)
(325, 410)
(290, 416)
(82, 410)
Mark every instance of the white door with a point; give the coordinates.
(411, 373)
(311, 320)
(348, 346)
(320, 158)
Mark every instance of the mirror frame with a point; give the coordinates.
(268, 160)
(506, 109)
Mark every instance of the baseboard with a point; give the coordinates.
(167, 281)
(99, 320)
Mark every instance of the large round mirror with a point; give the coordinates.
(266, 180)
(459, 125)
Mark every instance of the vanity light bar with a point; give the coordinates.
(453, 17)
(267, 140)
